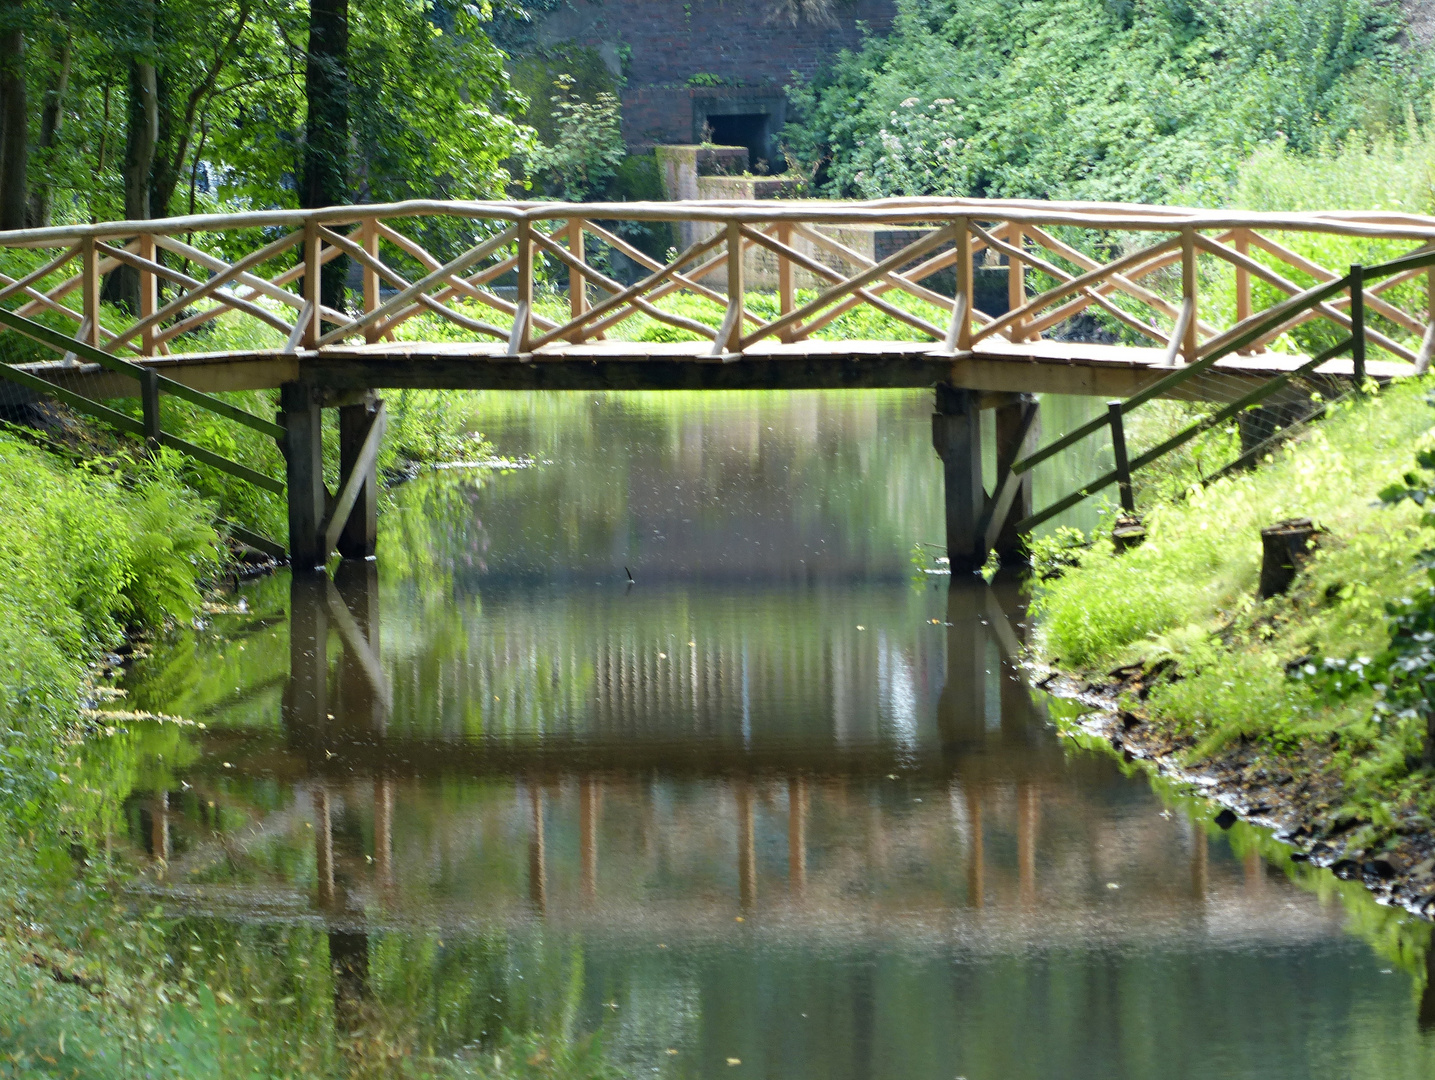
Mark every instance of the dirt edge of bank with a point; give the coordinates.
(1293, 795)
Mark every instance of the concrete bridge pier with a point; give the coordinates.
(957, 436)
(320, 521)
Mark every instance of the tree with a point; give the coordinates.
(325, 180)
(59, 57)
(14, 117)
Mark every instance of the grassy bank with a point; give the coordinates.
(1184, 607)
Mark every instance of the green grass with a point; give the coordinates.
(87, 553)
(1188, 596)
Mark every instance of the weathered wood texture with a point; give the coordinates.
(1152, 289)
(1031, 367)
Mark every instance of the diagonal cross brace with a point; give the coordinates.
(998, 506)
(359, 644)
(354, 482)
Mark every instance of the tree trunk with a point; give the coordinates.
(326, 147)
(170, 148)
(122, 288)
(14, 119)
(141, 136)
(52, 116)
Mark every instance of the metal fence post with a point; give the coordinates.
(1123, 466)
(1357, 323)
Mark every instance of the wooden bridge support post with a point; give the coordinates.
(149, 293)
(1190, 295)
(369, 238)
(1016, 281)
(90, 295)
(1016, 435)
(957, 438)
(313, 292)
(302, 418)
(360, 536)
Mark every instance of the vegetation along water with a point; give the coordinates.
(657, 739)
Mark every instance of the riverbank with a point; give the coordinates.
(1186, 666)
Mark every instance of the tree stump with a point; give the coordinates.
(1128, 533)
(1284, 547)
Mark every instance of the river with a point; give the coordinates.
(781, 805)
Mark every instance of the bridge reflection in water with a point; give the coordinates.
(861, 789)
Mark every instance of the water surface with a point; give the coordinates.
(783, 805)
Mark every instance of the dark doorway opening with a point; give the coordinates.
(744, 129)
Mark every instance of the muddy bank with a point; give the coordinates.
(1297, 796)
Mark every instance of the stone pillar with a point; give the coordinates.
(360, 535)
(302, 418)
(957, 438)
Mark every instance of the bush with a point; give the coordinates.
(87, 553)
(1098, 100)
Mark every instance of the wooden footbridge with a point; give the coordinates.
(766, 295)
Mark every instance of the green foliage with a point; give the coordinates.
(432, 112)
(433, 115)
(1097, 100)
(1201, 560)
(588, 148)
(1402, 674)
(534, 76)
(86, 554)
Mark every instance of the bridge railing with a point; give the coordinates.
(149, 386)
(533, 279)
(1354, 285)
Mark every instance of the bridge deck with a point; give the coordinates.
(1042, 366)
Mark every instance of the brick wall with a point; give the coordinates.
(661, 44)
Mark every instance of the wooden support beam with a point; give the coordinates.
(729, 338)
(313, 272)
(1190, 294)
(1016, 436)
(1016, 280)
(521, 339)
(577, 282)
(90, 295)
(149, 292)
(785, 291)
(369, 240)
(359, 425)
(302, 417)
(957, 438)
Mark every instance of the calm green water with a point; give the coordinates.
(781, 807)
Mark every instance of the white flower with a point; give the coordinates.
(909, 102)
